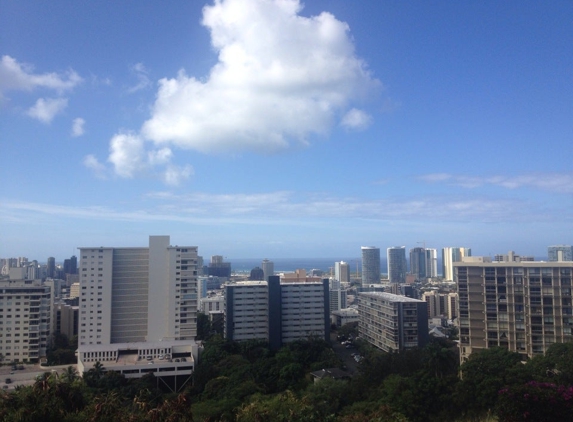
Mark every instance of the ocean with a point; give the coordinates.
(245, 265)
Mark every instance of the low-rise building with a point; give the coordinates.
(344, 316)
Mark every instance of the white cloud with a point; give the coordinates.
(280, 78)
(127, 154)
(162, 156)
(46, 109)
(142, 76)
(18, 76)
(551, 182)
(78, 127)
(129, 158)
(356, 119)
(174, 175)
(92, 163)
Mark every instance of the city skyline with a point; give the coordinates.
(288, 129)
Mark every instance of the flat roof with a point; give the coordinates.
(515, 264)
(389, 297)
(135, 346)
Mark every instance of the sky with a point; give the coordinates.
(259, 128)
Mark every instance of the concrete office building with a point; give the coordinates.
(512, 257)
(370, 265)
(397, 265)
(66, 319)
(522, 306)
(218, 268)
(344, 316)
(418, 263)
(451, 255)
(436, 303)
(559, 253)
(337, 299)
(51, 267)
(25, 320)
(268, 269)
(246, 310)
(277, 311)
(342, 272)
(208, 305)
(138, 303)
(431, 262)
(391, 322)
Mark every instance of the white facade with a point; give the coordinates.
(451, 255)
(208, 305)
(431, 262)
(344, 316)
(25, 320)
(137, 295)
(342, 272)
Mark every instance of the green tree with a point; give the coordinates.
(284, 407)
(203, 326)
(556, 365)
(483, 375)
(441, 358)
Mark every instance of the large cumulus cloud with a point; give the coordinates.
(280, 79)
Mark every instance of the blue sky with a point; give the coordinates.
(257, 128)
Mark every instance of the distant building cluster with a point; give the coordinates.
(136, 308)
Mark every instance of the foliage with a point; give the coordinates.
(62, 351)
(203, 326)
(350, 329)
(284, 407)
(483, 375)
(535, 401)
(249, 382)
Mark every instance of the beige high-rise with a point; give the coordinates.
(523, 306)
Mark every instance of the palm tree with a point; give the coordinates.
(70, 374)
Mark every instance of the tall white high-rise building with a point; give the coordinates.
(397, 265)
(342, 272)
(138, 299)
(451, 255)
(431, 262)
(370, 265)
(268, 268)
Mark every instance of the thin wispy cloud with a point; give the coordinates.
(15, 76)
(92, 163)
(142, 76)
(550, 182)
(78, 127)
